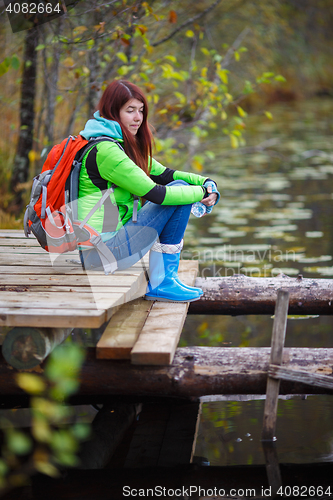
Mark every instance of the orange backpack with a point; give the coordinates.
(51, 214)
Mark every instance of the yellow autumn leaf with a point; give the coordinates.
(30, 383)
(233, 141)
(204, 72)
(269, 115)
(41, 430)
(79, 30)
(189, 33)
(32, 155)
(47, 468)
(197, 165)
(241, 111)
(123, 57)
(69, 62)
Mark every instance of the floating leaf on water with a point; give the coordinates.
(285, 270)
(328, 169)
(324, 271)
(309, 260)
(307, 172)
(211, 241)
(269, 234)
(237, 222)
(233, 234)
(277, 184)
(274, 196)
(299, 316)
(314, 234)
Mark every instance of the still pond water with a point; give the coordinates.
(275, 215)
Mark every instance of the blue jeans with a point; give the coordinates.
(134, 239)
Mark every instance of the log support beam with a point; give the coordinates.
(195, 372)
(240, 294)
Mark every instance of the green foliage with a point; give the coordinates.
(53, 443)
(8, 63)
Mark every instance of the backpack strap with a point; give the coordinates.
(74, 178)
(108, 260)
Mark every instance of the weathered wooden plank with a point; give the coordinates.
(52, 317)
(195, 372)
(123, 330)
(121, 334)
(160, 334)
(67, 299)
(12, 233)
(57, 288)
(241, 294)
(159, 337)
(27, 250)
(19, 242)
(285, 373)
(66, 270)
(273, 385)
(102, 281)
(45, 259)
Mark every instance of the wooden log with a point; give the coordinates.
(195, 372)
(241, 294)
(273, 385)
(24, 347)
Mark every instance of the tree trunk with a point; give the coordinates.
(241, 294)
(27, 114)
(51, 75)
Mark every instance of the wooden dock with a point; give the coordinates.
(38, 289)
(46, 295)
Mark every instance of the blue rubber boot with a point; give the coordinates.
(173, 265)
(162, 285)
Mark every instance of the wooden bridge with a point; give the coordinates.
(44, 296)
(136, 360)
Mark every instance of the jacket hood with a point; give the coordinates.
(101, 126)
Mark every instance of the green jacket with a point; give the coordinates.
(106, 164)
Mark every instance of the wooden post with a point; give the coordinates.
(26, 347)
(272, 466)
(273, 385)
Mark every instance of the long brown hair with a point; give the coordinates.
(138, 147)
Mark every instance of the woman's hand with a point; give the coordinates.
(210, 200)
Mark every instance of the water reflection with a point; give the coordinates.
(275, 215)
(230, 431)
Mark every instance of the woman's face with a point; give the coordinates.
(131, 115)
